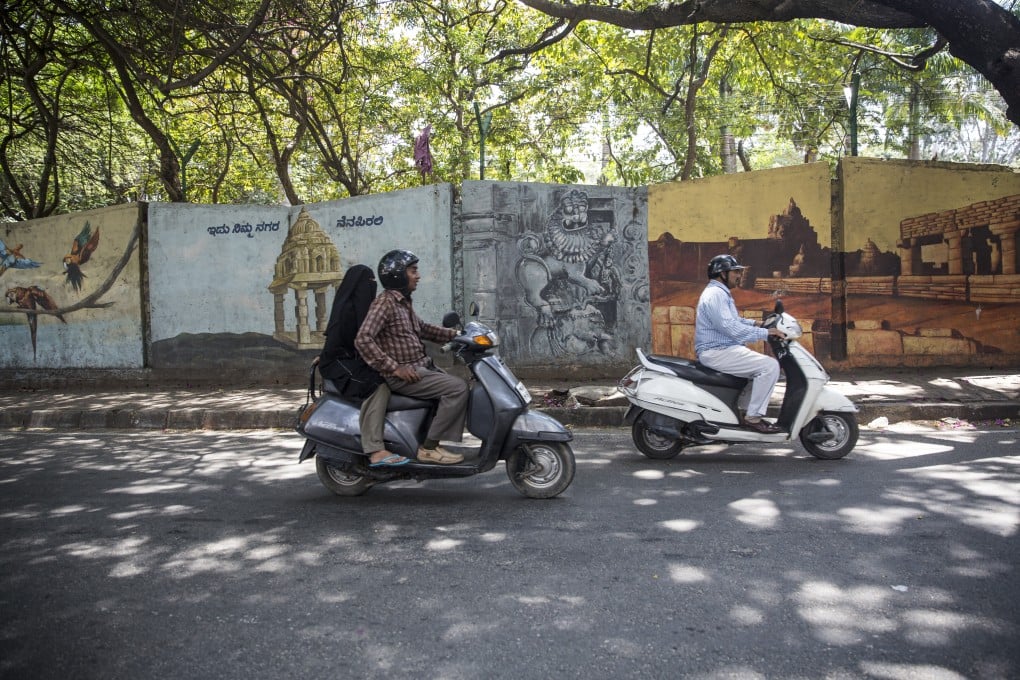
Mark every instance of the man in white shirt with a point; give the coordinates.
(720, 336)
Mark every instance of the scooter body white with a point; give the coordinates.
(679, 399)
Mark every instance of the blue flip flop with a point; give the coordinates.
(391, 460)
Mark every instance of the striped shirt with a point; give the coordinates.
(717, 323)
(391, 334)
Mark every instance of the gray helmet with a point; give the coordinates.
(722, 263)
(393, 269)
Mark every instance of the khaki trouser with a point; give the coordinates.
(372, 419)
(452, 393)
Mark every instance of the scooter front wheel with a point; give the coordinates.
(339, 481)
(541, 470)
(830, 435)
(654, 445)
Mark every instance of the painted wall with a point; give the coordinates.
(891, 263)
(72, 291)
(776, 222)
(561, 271)
(250, 287)
(931, 263)
(412, 219)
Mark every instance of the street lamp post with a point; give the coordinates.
(484, 123)
(851, 94)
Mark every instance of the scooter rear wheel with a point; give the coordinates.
(654, 445)
(541, 470)
(339, 481)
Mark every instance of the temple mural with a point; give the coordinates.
(72, 291)
(560, 270)
(308, 262)
(249, 288)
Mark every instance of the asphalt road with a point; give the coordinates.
(215, 555)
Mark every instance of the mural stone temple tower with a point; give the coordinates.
(307, 261)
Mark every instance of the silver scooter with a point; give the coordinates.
(539, 460)
(676, 403)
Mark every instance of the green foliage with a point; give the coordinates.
(299, 102)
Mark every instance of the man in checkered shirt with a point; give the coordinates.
(390, 340)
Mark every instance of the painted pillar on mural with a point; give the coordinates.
(308, 260)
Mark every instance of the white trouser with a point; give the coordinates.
(738, 360)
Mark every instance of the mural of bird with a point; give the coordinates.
(32, 297)
(11, 258)
(82, 247)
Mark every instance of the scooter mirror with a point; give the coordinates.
(451, 320)
(779, 306)
(474, 309)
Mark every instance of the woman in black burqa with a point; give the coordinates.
(341, 363)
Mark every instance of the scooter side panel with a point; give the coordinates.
(481, 414)
(681, 399)
(333, 421)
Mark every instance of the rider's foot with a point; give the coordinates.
(438, 455)
(762, 426)
(379, 456)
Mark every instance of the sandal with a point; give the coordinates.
(391, 460)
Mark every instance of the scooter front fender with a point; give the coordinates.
(535, 426)
(831, 400)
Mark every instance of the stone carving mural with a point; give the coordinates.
(561, 270)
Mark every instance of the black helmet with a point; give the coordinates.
(722, 263)
(393, 268)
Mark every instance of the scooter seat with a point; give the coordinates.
(398, 402)
(696, 373)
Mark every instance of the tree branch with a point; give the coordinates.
(979, 32)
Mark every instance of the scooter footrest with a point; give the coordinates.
(704, 428)
(695, 432)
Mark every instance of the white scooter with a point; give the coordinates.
(676, 403)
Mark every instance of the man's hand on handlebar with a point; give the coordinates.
(776, 333)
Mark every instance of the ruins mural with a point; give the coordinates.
(71, 291)
(775, 222)
(952, 295)
(560, 270)
(906, 235)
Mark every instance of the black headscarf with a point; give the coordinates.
(356, 292)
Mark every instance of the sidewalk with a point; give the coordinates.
(895, 394)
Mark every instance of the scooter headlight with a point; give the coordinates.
(481, 335)
(790, 326)
(489, 339)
